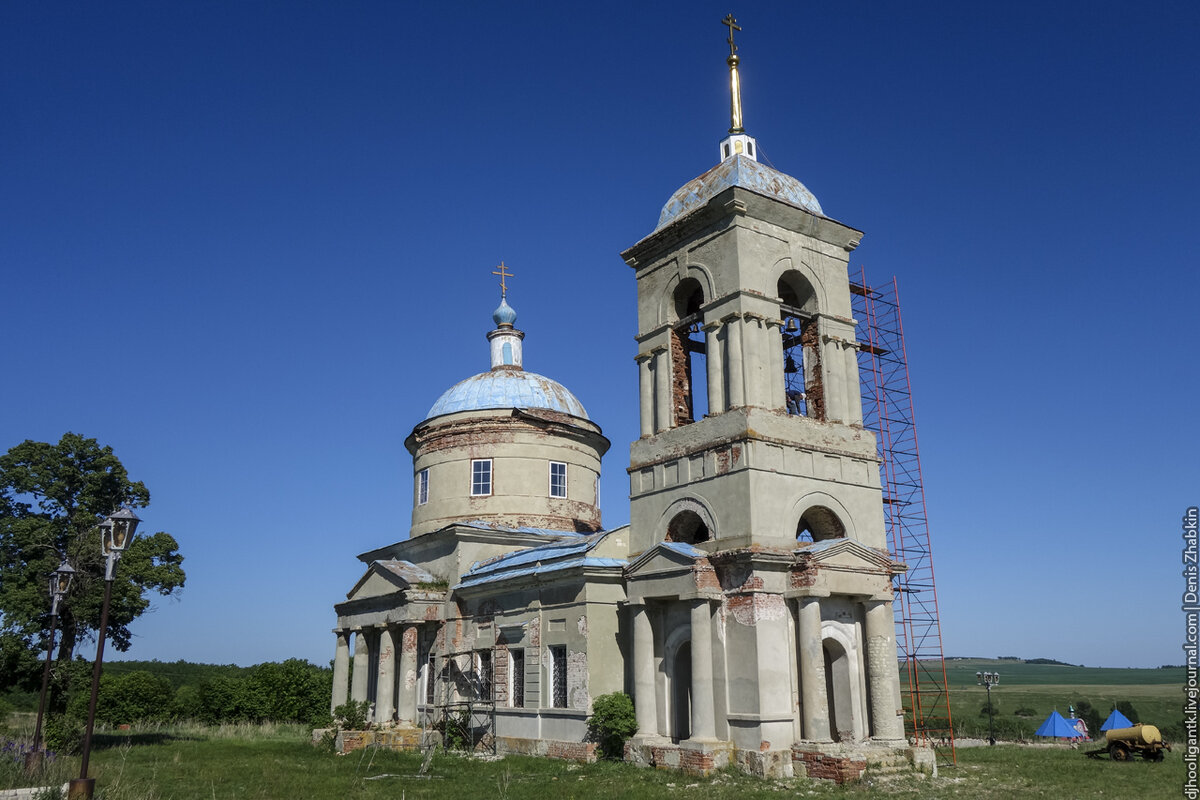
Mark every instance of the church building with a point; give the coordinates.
(746, 608)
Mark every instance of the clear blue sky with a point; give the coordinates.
(249, 244)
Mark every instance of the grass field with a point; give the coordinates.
(1038, 689)
(277, 762)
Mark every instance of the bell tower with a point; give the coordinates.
(759, 586)
(749, 387)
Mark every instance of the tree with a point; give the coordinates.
(52, 497)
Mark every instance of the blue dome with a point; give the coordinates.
(504, 315)
(507, 388)
(738, 171)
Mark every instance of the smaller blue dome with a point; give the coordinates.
(504, 315)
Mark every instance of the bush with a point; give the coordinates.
(351, 715)
(613, 720)
(63, 733)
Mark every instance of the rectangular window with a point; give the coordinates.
(483, 669)
(430, 679)
(516, 674)
(558, 479)
(423, 487)
(558, 675)
(481, 477)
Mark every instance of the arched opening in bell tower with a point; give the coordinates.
(687, 527)
(689, 396)
(819, 524)
(802, 382)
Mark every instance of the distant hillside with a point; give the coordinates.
(1047, 671)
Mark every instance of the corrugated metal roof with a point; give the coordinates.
(550, 557)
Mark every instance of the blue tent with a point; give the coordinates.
(1116, 720)
(1058, 727)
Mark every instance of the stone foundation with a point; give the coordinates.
(846, 763)
(409, 738)
(691, 758)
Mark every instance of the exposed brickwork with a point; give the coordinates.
(814, 391)
(706, 575)
(830, 768)
(408, 640)
(802, 578)
(681, 379)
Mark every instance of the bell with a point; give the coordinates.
(791, 326)
(790, 367)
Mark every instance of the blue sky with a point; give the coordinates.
(249, 244)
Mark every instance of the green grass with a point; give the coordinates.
(1157, 694)
(244, 763)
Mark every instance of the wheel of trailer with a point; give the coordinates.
(1118, 752)
(1153, 755)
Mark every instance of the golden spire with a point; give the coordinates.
(735, 86)
(503, 273)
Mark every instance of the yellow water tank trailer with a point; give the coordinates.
(1123, 743)
(1139, 734)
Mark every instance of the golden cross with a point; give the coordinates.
(502, 271)
(733, 26)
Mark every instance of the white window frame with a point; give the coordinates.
(562, 464)
(490, 477)
(423, 487)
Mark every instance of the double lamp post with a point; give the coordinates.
(116, 532)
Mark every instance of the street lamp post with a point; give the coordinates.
(988, 680)
(60, 582)
(116, 533)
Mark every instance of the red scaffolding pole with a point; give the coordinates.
(888, 410)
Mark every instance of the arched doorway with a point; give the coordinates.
(681, 693)
(838, 691)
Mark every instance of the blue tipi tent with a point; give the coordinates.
(1058, 727)
(1116, 720)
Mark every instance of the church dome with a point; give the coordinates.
(507, 388)
(738, 170)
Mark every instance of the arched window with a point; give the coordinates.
(802, 384)
(818, 524)
(689, 397)
(687, 527)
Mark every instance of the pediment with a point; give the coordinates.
(388, 577)
(665, 557)
(846, 554)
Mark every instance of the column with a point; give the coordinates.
(644, 697)
(646, 390)
(814, 704)
(662, 389)
(775, 361)
(341, 669)
(853, 387)
(703, 708)
(835, 380)
(386, 686)
(737, 385)
(406, 707)
(362, 664)
(716, 369)
(753, 361)
(882, 676)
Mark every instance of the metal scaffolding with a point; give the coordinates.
(464, 706)
(888, 410)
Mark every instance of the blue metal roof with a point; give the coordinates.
(540, 560)
(507, 388)
(740, 171)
